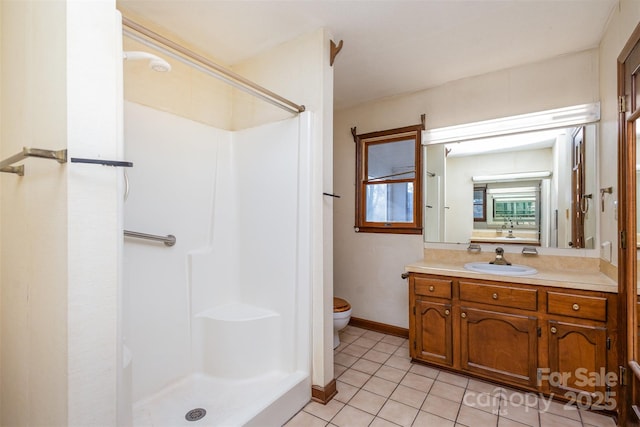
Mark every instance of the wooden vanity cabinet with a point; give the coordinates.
(434, 332)
(516, 334)
(499, 345)
(431, 330)
(579, 343)
(577, 351)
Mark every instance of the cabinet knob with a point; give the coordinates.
(575, 307)
(446, 312)
(464, 315)
(432, 288)
(494, 296)
(554, 330)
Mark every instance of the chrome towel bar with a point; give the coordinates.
(5, 166)
(168, 240)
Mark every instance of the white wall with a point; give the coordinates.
(368, 266)
(183, 91)
(60, 237)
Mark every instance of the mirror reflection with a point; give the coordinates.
(537, 188)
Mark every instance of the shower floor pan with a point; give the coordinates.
(270, 399)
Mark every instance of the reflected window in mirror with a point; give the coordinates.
(480, 203)
(388, 190)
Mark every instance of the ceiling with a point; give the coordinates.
(391, 47)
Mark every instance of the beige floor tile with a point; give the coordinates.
(408, 396)
(454, 379)
(376, 356)
(344, 359)
(447, 391)
(376, 336)
(304, 419)
(326, 412)
(354, 330)
(506, 422)
(483, 401)
(366, 366)
(385, 348)
(345, 391)
(381, 422)
(597, 419)
(399, 363)
(517, 397)
(338, 370)
(561, 409)
(355, 350)
(417, 381)
(520, 413)
(390, 339)
(365, 342)
(340, 347)
(398, 413)
(391, 374)
(367, 401)
(380, 386)
(442, 407)
(347, 338)
(352, 417)
(481, 386)
(353, 377)
(425, 419)
(476, 418)
(402, 351)
(425, 371)
(548, 419)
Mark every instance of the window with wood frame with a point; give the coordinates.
(389, 181)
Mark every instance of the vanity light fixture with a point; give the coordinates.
(511, 176)
(548, 119)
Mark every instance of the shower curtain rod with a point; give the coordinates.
(158, 42)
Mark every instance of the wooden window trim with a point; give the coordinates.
(386, 136)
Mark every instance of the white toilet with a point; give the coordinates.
(341, 316)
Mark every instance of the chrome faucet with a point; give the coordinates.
(500, 259)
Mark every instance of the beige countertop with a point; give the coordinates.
(567, 279)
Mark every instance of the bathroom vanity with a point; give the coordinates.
(546, 333)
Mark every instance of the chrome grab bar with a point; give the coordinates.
(168, 240)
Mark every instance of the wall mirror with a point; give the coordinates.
(537, 187)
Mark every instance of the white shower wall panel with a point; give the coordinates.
(266, 175)
(172, 188)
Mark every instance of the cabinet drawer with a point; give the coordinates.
(584, 307)
(505, 296)
(438, 288)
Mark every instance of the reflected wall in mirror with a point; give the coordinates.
(535, 188)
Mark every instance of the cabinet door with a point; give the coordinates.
(577, 359)
(498, 345)
(433, 332)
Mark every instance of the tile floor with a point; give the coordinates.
(378, 386)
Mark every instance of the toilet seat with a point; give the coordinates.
(340, 305)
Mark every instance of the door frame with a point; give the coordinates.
(627, 252)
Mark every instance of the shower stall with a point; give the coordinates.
(216, 327)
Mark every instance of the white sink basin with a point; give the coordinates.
(502, 270)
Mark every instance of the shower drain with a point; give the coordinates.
(195, 414)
